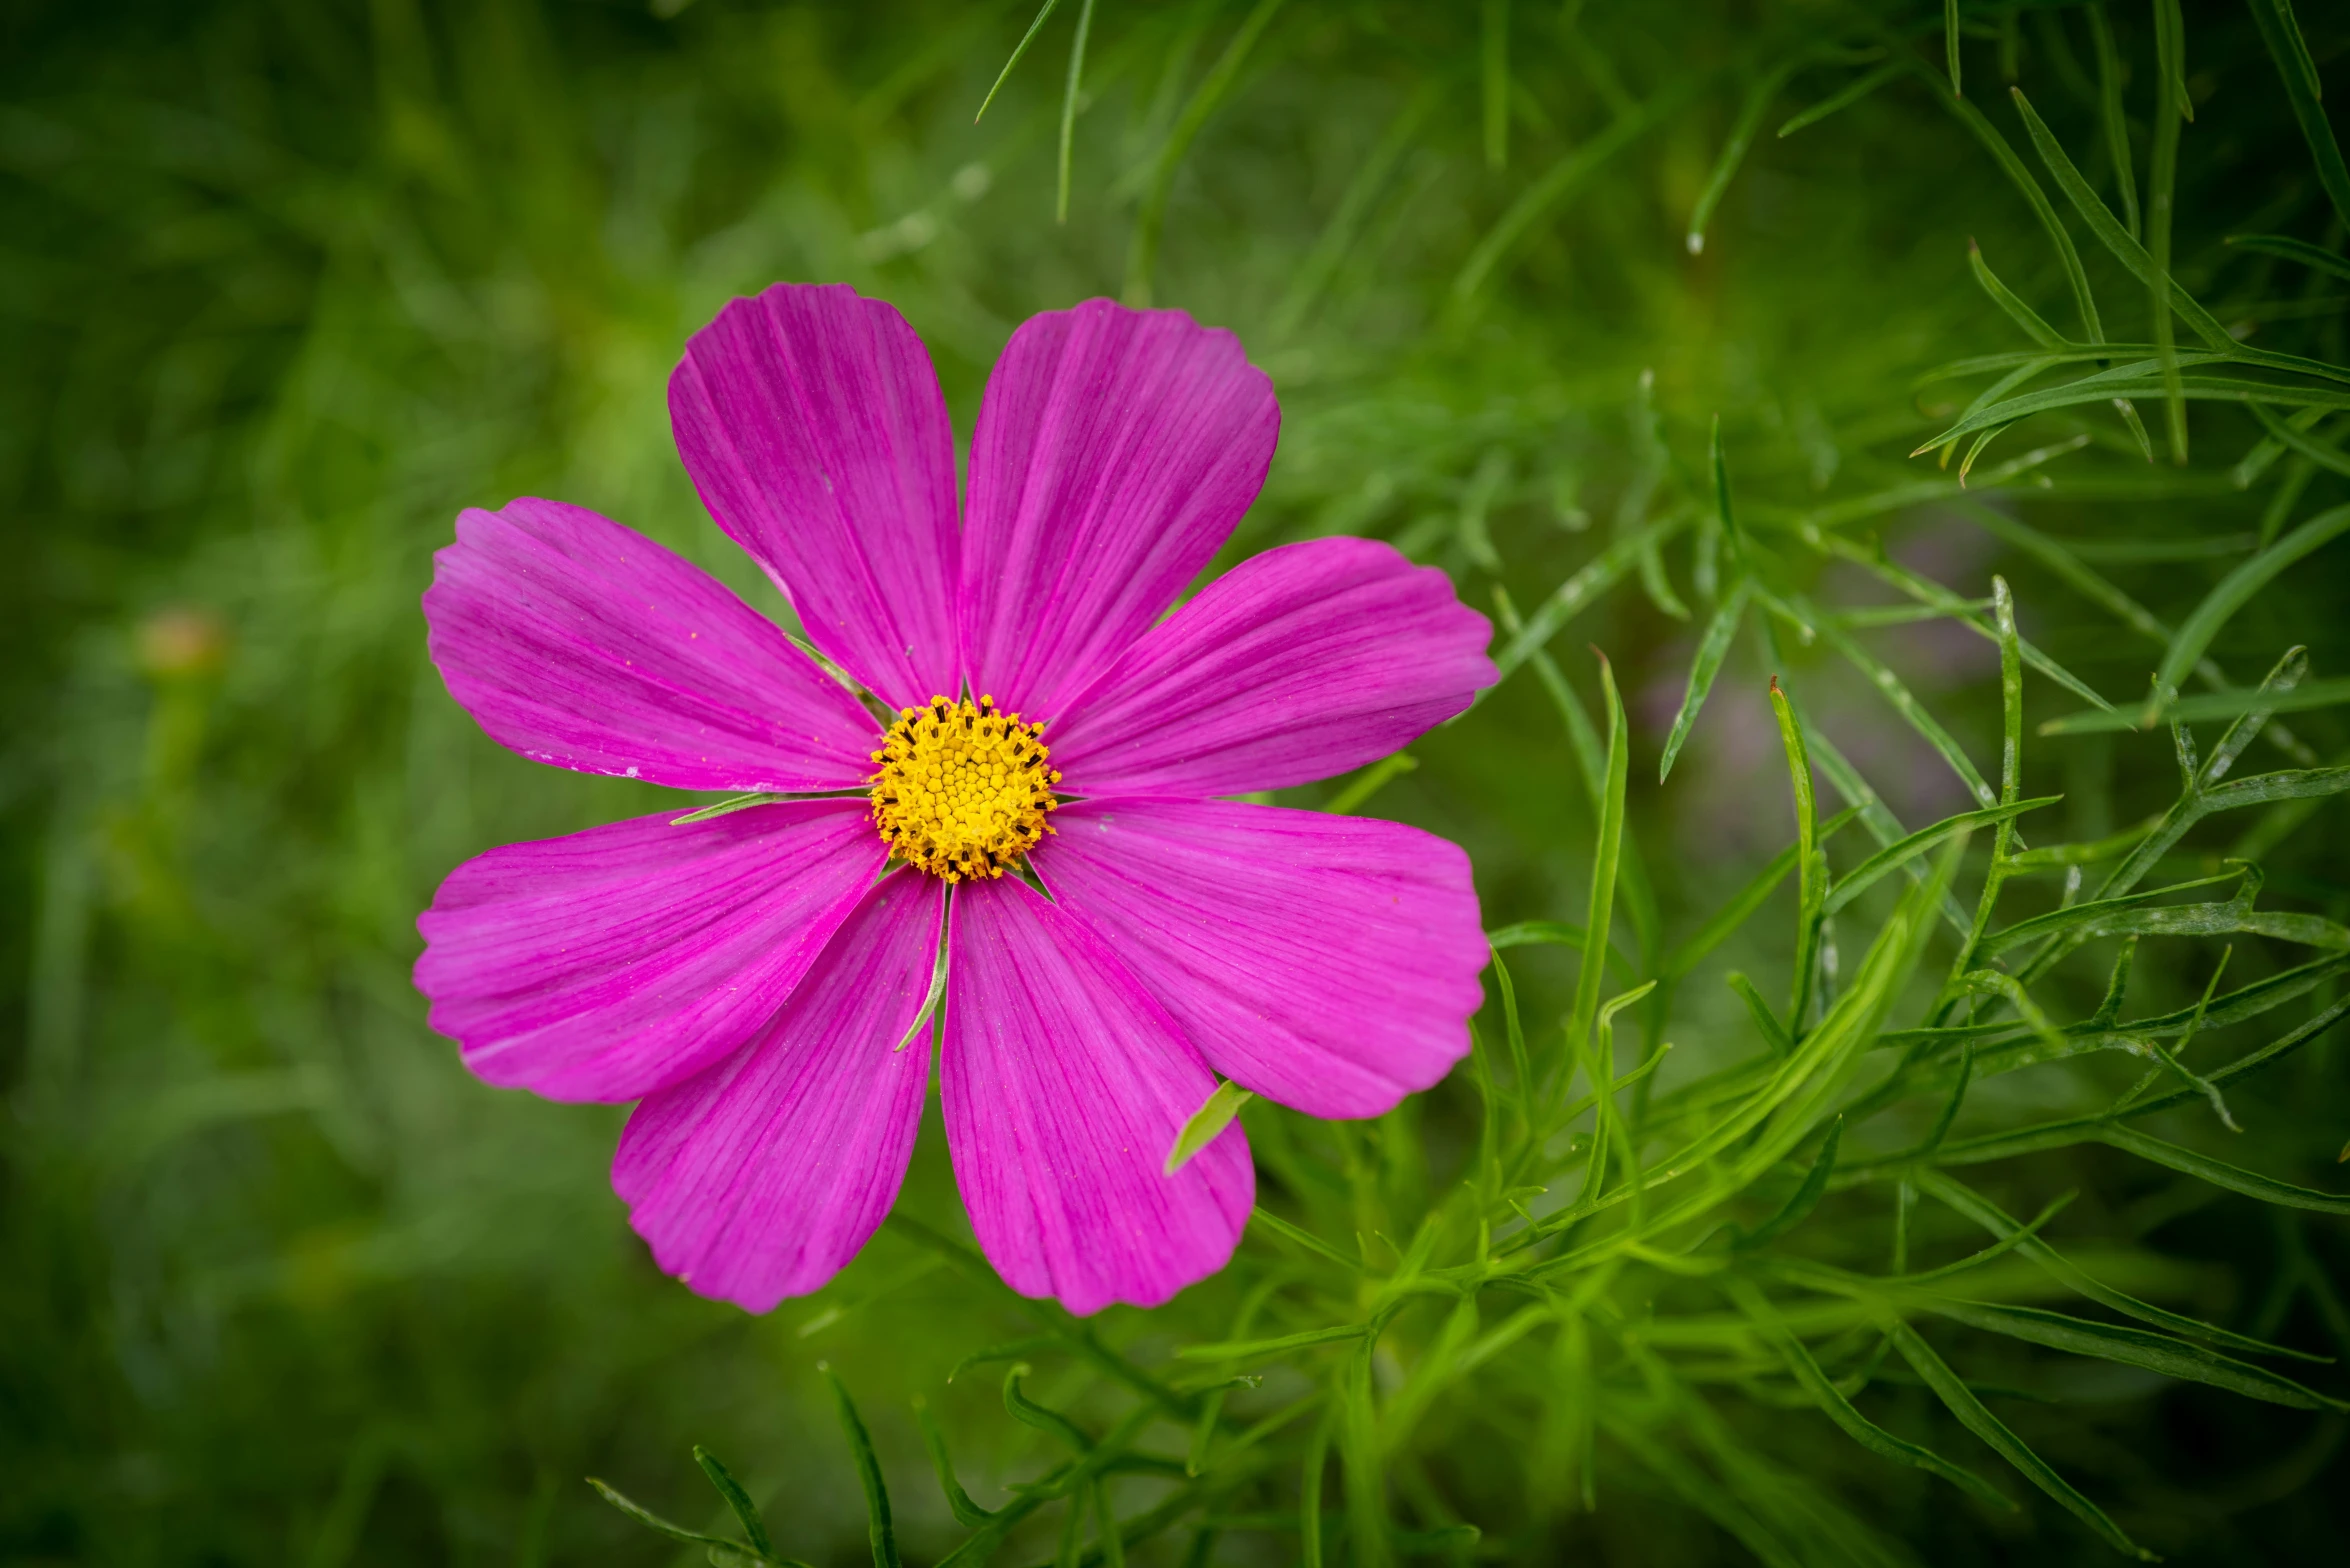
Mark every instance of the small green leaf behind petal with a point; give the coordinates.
(1213, 1116)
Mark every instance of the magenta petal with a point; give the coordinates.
(813, 427)
(575, 641)
(1329, 963)
(1064, 1086)
(615, 962)
(1115, 450)
(1299, 663)
(760, 1177)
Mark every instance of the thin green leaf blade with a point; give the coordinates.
(1742, 132)
(2286, 248)
(1201, 1128)
(1843, 98)
(2023, 315)
(2282, 33)
(1809, 893)
(2113, 120)
(2221, 1174)
(2159, 1353)
(1962, 1403)
(1840, 1410)
(1606, 853)
(880, 1532)
(1893, 856)
(2207, 708)
(1711, 650)
(967, 1513)
(1072, 89)
(727, 807)
(745, 1511)
(1806, 1196)
(2108, 229)
(654, 1522)
(1043, 13)
(2237, 589)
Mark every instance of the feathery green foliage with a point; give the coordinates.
(1661, 1274)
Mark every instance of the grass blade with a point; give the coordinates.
(1840, 1410)
(2221, 1174)
(2108, 229)
(1525, 933)
(1701, 1492)
(1745, 902)
(1029, 1413)
(1843, 98)
(1494, 58)
(1266, 1218)
(1774, 1033)
(2112, 119)
(2282, 33)
(1309, 1495)
(1561, 181)
(1359, 1459)
(2134, 381)
(1257, 1349)
(2023, 315)
(1044, 12)
(1809, 893)
(2288, 784)
(1362, 192)
(2286, 248)
(1801, 1088)
(1931, 595)
(1071, 89)
(746, 1512)
(2011, 705)
(2171, 103)
(1806, 1196)
(1142, 255)
(1513, 1030)
(967, 1513)
(1724, 512)
(1944, 1118)
(1994, 143)
(2289, 433)
(2170, 46)
(2102, 915)
(879, 1531)
(1896, 855)
(1962, 1199)
(1605, 854)
(1962, 1403)
(2138, 1348)
(2216, 705)
(1749, 121)
(1891, 688)
(1602, 572)
(1711, 650)
(2235, 590)
(654, 1522)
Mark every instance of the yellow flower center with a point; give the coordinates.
(963, 790)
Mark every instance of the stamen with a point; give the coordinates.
(962, 791)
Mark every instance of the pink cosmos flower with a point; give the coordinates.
(753, 978)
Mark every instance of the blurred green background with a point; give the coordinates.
(286, 283)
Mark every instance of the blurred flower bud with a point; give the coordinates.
(181, 641)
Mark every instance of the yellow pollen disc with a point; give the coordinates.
(962, 790)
